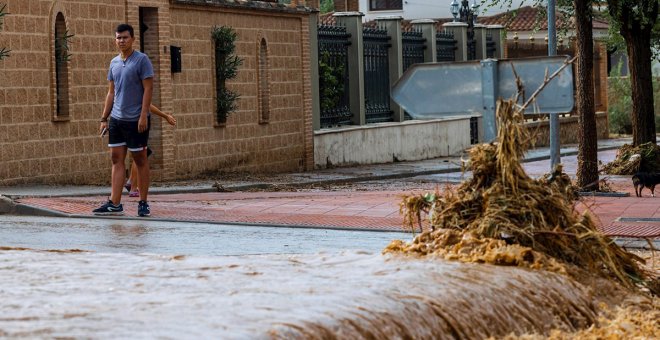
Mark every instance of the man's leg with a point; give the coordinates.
(141, 162)
(118, 155)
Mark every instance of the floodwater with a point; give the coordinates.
(144, 236)
(350, 295)
(150, 279)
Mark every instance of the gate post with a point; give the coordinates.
(427, 27)
(314, 71)
(395, 58)
(480, 41)
(500, 43)
(353, 23)
(459, 29)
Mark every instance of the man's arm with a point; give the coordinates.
(107, 105)
(168, 117)
(148, 85)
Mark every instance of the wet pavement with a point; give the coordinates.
(182, 238)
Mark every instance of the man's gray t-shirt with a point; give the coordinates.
(127, 76)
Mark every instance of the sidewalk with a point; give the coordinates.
(326, 176)
(201, 201)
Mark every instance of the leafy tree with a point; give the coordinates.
(637, 22)
(327, 6)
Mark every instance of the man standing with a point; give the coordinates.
(126, 116)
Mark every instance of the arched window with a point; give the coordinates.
(61, 45)
(264, 83)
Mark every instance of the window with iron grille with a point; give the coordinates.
(385, 5)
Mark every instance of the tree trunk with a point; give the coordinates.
(587, 171)
(638, 42)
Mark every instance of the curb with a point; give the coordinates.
(26, 210)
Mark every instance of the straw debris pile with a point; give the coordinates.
(631, 159)
(630, 322)
(502, 216)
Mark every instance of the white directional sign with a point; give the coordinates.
(435, 90)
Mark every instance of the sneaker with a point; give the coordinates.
(135, 193)
(128, 186)
(109, 209)
(143, 209)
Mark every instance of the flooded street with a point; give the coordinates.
(350, 295)
(172, 238)
(151, 279)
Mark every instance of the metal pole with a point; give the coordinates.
(554, 117)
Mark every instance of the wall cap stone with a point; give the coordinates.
(245, 4)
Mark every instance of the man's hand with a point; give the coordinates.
(170, 119)
(104, 125)
(142, 123)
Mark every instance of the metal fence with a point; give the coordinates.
(333, 75)
(445, 46)
(376, 75)
(490, 46)
(413, 46)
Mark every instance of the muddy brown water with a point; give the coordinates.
(350, 295)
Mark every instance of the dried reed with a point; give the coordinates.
(631, 159)
(500, 202)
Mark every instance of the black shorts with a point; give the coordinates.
(125, 133)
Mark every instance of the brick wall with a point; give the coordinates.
(36, 146)
(242, 144)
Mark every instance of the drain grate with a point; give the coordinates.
(638, 219)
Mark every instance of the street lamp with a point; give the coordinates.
(454, 9)
(475, 9)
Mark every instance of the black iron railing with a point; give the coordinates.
(333, 75)
(474, 130)
(376, 75)
(445, 46)
(413, 45)
(490, 46)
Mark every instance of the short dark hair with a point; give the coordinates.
(124, 28)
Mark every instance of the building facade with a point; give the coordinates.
(50, 105)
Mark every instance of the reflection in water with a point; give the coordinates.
(129, 236)
(276, 296)
(132, 231)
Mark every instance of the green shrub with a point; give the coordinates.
(226, 67)
(620, 102)
(331, 86)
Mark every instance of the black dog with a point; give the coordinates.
(643, 180)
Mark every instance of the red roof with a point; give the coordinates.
(530, 18)
(523, 19)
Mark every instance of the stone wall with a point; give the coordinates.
(38, 145)
(567, 130)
